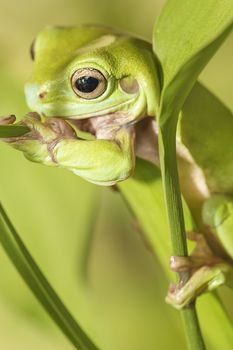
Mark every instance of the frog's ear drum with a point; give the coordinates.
(32, 50)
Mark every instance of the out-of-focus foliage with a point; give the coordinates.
(122, 301)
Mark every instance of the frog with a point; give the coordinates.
(94, 97)
(94, 90)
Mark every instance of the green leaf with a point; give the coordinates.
(144, 194)
(202, 108)
(39, 285)
(13, 130)
(186, 36)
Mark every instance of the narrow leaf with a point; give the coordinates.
(13, 130)
(36, 281)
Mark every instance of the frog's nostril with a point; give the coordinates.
(42, 94)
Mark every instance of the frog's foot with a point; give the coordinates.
(44, 131)
(38, 144)
(200, 272)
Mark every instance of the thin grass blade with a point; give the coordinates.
(41, 288)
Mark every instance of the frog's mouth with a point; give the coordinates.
(103, 126)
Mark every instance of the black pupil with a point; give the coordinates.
(86, 84)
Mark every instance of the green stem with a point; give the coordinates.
(167, 145)
(13, 130)
(192, 328)
(36, 281)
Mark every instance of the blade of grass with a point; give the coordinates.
(177, 227)
(41, 288)
(13, 130)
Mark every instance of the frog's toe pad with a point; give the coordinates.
(9, 119)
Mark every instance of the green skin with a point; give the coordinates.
(94, 136)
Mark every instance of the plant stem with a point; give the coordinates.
(167, 146)
(193, 332)
(12, 130)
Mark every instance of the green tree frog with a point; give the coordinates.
(95, 96)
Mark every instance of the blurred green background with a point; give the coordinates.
(83, 237)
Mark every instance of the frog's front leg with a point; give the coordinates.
(103, 162)
(206, 270)
(54, 143)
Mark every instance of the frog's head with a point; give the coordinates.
(82, 72)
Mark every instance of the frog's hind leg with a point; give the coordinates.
(204, 269)
(217, 214)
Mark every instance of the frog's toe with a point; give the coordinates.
(9, 119)
(181, 264)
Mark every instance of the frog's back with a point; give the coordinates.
(207, 131)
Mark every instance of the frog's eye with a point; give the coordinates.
(32, 50)
(88, 83)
